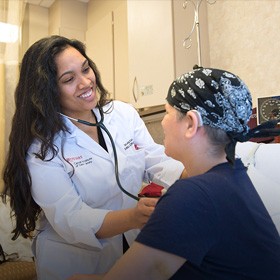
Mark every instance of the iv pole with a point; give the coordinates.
(188, 41)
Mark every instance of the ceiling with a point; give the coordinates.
(47, 3)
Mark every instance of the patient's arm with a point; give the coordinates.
(142, 263)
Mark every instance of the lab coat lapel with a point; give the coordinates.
(84, 141)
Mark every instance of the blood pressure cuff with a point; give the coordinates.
(152, 190)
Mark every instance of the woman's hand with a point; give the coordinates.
(143, 210)
(120, 221)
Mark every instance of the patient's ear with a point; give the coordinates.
(193, 122)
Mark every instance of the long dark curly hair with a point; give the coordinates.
(36, 117)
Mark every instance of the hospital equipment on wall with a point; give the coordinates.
(188, 41)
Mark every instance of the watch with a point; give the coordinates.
(268, 108)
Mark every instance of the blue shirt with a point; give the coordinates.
(218, 223)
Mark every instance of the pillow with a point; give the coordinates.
(262, 161)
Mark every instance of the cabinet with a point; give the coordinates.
(138, 46)
(132, 45)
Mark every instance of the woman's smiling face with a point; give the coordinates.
(76, 83)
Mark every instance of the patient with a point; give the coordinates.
(212, 225)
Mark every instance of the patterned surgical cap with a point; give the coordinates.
(222, 99)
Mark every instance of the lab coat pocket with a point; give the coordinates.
(135, 162)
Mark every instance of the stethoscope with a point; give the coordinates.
(102, 126)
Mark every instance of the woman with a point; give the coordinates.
(61, 171)
(212, 225)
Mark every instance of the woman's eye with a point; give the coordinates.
(68, 80)
(86, 69)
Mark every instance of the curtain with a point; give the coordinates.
(11, 12)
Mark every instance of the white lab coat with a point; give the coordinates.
(74, 205)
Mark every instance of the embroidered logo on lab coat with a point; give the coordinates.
(79, 161)
(128, 144)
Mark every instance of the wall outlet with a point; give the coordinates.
(146, 90)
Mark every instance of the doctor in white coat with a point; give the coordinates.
(60, 173)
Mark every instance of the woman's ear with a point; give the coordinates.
(193, 122)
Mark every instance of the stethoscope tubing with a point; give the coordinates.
(102, 126)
